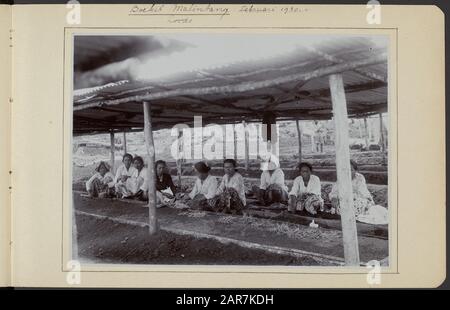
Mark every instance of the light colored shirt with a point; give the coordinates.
(277, 177)
(121, 171)
(359, 187)
(236, 182)
(141, 177)
(108, 178)
(207, 187)
(313, 187)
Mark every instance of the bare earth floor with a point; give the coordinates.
(113, 231)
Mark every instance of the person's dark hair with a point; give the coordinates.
(104, 164)
(138, 158)
(307, 165)
(230, 161)
(202, 167)
(354, 164)
(160, 162)
(127, 155)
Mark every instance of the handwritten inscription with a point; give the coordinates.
(186, 20)
(191, 11)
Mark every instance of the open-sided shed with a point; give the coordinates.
(336, 78)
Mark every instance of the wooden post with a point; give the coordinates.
(299, 136)
(382, 139)
(235, 142)
(360, 129)
(366, 134)
(344, 179)
(152, 220)
(224, 137)
(124, 142)
(383, 145)
(244, 125)
(112, 149)
(258, 136)
(180, 158)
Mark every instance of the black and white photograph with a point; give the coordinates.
(253, 149)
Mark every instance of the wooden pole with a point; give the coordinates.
(344, 179)
(299, 136)
(244, 125)
(124, 142)
(360, 129)
(366, 134)
(112, 149)
(152, 220)
(258, 135)
(224, 137)
(235, 142)
(383, 145)
(180, 158)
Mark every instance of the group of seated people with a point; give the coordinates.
(130, 180)
(228, 195)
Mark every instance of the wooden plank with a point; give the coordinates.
(112, 150)
(299, 136)
(241, 87)
(343, 171)
(151, 176)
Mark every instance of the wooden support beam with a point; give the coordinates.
(343, 171)
(299, 136)
(334, 59)
(124, 142)
(151, 176)
(244, 125)
(241, 87)
(234, 142)
(112, 150)
(383, 145)
(366, 133)
(382, 138)
(180, 157)
(258, 136)
(224, 142)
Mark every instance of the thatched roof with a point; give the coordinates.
(292, 86)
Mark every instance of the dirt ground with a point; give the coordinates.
(118, 243)
(109, 242)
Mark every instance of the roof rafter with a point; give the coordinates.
(241, 87)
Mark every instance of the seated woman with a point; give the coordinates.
(101, 184)
(306, 191)
(205, 188)
(364, 207)
(272, 188)
(165, 189)
(231, 192)
(122, 174)
(136, 185)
